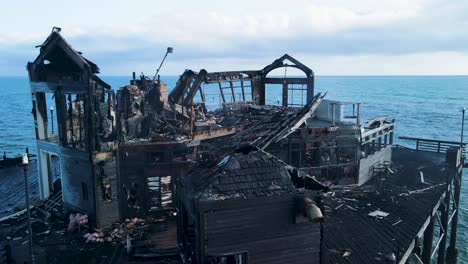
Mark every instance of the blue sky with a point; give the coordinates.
(360, 37)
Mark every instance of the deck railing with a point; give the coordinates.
(373, 140)
(435, 145)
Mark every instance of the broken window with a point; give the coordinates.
(297, 94)
(296, 154)
(166, 192)
(239, 258)
(180, 156)
(74, 121)
(160, 192)
(156, 157)
(247, 87)
(106, 190)
(84, 191)
(133, 199)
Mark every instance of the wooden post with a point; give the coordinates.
(444, 226)
(61, 112)
(232, 91)
(285, 94)
(243, 92)
(358, 115)
(427, 243)
(385, 137)
(380, 139)
(221, 91)
(310, 87)
(452, 251)
(41, 116)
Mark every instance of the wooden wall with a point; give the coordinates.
(137, 163)
(264, 227)
(76, 175)
(107, 210)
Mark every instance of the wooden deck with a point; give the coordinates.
(12, 186)
(352, 236)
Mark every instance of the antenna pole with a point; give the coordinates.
(169, 50)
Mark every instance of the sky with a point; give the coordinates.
(333, 37)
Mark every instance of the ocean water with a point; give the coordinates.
(423, 106)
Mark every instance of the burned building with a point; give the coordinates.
(245, 207)
(62, 79)
(228, 174)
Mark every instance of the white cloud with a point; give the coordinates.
(368, 32)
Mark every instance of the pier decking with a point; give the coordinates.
(352, 236)
(12, 186)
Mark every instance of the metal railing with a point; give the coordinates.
(434, 145)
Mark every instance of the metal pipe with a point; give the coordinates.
(312, 211)
(25, 164)
(358, 114)
(169, 50)
(333, 113)
(462, 129)
(52, 118)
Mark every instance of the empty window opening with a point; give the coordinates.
(133, 199)
(160, 192)
(75, 127)
(84, 191)
(239, 258)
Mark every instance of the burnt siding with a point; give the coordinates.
(265, 229)
(108, 211)
(135, 167)
(76, 170)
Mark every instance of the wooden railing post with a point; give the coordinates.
(427, 242)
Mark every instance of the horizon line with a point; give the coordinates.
(316, 75)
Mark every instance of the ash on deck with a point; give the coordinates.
(352, 236)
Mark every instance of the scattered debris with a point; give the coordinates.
(346, 254)
(77, 220)
(378, 214)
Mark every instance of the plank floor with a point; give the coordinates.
(12, 186)
(350, 235)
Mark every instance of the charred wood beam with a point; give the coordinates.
(290, 80)
(232, 91)
(70, 119)
(278, 63)
(40, 115)
(61, 111)
(182, 86)
(243, 90)
(195, 87)
(222, 92)
(47, 87)
(310, 89)
(215, 133)
(428, 239)
(214, 77)
(285, 94)
(307, 112)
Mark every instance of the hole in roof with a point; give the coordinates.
(246, 149)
